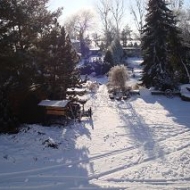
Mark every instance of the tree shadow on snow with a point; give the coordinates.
(79, 169)
(75, 171)
(139, 131)
(177, 110)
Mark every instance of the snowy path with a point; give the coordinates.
(144, 147)
(140, 143)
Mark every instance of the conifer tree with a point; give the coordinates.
(22, 24)
(8, 122)
(117, 51)
(60, 63)
(114, 54)
(161, 46)
(109, 57)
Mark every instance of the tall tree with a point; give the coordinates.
(176, 4)
(22, 22)
(78, 24)
(111, 13)
(162, 49)
(117, 51)
(114, 54)
(126, 35)
(60, 63)
(118, 11)
(103, 8)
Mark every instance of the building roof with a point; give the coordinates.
(54, 103)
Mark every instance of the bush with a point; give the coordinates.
(97, 67)
(24, 103)
(30, 112)
(118, 76)
(8, 121)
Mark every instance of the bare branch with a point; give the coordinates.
(80, 23)
(117, 10)
(138, 14)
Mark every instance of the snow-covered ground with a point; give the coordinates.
(139, 143)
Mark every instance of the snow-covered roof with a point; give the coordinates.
(95, 49)
(185, 90)
(76, 90)
(75, 41)
(54, 103)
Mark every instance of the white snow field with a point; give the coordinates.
(139, 143)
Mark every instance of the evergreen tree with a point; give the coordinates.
(60, 63)
(161, 45)
(117, 51)
(8, 122)
(108, 57)
(22, 23)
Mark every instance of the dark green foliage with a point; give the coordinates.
(161, 46)
(22, 22)
(59, 65)
(98, 68)
(115, 53)
(109, 57)
(29, 111)
(8, 122)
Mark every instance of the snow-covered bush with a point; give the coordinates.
(118, 76)
(92, 86)
(185, 92)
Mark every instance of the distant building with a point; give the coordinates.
(95, 52)
(76, 44)
(132, 51)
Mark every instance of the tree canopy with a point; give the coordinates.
(35, 49)
(23, 22)
(162, 48)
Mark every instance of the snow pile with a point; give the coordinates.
(185, 91)
(92, 86)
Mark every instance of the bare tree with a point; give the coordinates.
(138, 11)
(111, 13)
(176, 4)
(70, 26)
(79, 23)
(118, 11)
(184, 24)
(103, 8)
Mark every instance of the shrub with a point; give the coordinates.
(8, 121)
(118, 76)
